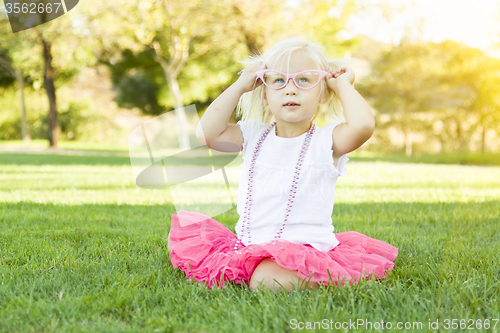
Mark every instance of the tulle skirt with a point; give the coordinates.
(203, 249)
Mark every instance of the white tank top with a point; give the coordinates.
(310, 219)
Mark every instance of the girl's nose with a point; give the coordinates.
(290, 84)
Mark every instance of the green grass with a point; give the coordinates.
(83, 249)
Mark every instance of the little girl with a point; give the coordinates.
(284, 236)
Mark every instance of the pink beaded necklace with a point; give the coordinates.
(293, 189)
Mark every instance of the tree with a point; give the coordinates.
(54, 129)
(6, 48)
(158, 49)
(56, 60)
(7, 64)
(416, 86)
(394, 95)
(323, 20)
(471, 82)
(169, 33)
(181, 35)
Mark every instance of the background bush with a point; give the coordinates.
(77, 117)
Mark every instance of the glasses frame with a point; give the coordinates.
(260, 75)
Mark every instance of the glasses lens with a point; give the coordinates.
(274, 80)
(305, 80)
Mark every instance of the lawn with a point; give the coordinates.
(83, 249)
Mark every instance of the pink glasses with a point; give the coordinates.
(304, 80)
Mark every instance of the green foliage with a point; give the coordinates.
(77, 118)
(137, 91)
(10, 128)
(438, 96)
(6, 76)
(74, 118)
(316, 21)
(141, 83)
(137, 78)
(121, 34)
(415, 87)
(10, 117)
(204, 79)
(6, 79)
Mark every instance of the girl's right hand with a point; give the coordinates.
(247, 80)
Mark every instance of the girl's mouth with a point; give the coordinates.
(291, 106)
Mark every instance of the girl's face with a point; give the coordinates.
(308, 99)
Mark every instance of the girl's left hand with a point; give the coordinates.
(341, 74)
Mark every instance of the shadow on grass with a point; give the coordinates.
(465, 158)
(56, 159)
(484, 159)
(397, 223)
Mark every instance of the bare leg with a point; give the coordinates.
(269, 274)
(168, 244)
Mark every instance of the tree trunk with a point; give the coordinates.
(173, 86)
(250, 38)
(24, 121)
(483, 139)
(459, 142)
(179, 55)
(20, 87)
(442, 148)
(53, 128)
(407, 143)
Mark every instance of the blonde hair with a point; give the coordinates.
(251, 103)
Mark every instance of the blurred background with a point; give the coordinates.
(430, 70)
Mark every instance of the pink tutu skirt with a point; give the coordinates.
(203, 249)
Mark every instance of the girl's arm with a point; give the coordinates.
(215, 119)
(360, 122)
(357, 112)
